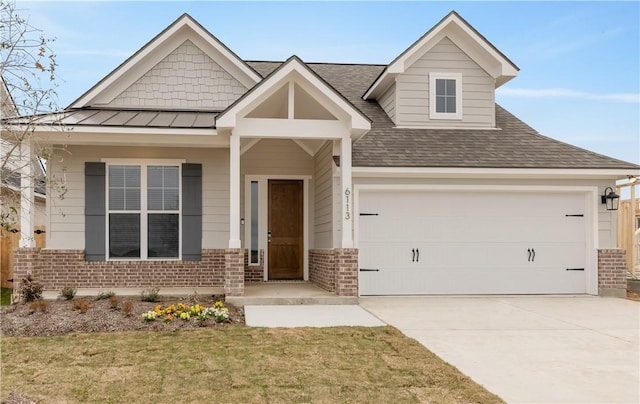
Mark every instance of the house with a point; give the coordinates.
(190, 167)
(11, 189)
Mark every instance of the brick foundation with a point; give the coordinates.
(253, 273)
(322, 269)
(56, 269)
(335, 270)
(234, 272)
(346, 271)
(612, 272)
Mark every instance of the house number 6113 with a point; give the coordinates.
(347, 214)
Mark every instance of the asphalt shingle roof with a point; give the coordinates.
(514, 145)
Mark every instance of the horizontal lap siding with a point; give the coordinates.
(323, 197)
(388, 102)
(478, 100)
(67, 215)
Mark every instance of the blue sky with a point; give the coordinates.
(579, 78)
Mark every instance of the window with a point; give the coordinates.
(143, 211)
(445, 96)
(254, 257)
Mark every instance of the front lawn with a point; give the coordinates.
(5, 296)
(235, 365)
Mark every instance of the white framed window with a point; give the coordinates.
(254, 230)
(445, 96)
(143, 210)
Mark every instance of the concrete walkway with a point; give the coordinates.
(309, 316)
(582, 349)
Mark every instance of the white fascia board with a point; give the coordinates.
(290, 128)
(241, 65)
(156, 50)
(381, 85)
(121, 70)
(293, 70)
(444, 172)
(65, 130)
(121, 136)
(447, 27)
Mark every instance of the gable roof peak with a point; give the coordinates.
(183, 28)
(465, 36)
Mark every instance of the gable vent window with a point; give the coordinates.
(445, 96)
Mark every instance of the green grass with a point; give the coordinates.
(233, 365)
(5, 296)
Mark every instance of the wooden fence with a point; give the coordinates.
(10, 240)
(627, 224)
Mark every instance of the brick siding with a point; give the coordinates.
(612, 272)
(346, 271)
(322, 269)
(234, 272)
(335, 270)
(253, 273)
(56, 269)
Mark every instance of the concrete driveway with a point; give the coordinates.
(555, 349)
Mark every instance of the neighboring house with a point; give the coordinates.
(190, 167)
(10, 183)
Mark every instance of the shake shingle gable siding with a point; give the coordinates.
(513, 145)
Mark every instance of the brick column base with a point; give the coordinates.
(25, 262)
(234, 272)
(612, 273)
(346, 275)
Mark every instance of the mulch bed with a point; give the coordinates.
(58, 317)
(633, 296)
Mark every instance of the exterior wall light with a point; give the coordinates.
(610, 199)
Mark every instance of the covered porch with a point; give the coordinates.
(291, 203)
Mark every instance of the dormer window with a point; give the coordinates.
(445, 96)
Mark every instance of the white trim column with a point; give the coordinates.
(347, 192)
(27, 196)
(234, 191)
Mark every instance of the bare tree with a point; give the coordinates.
(28, 104)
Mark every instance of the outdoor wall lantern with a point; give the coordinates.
(610, 199)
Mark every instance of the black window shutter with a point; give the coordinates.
(94, 211)
(191, 212)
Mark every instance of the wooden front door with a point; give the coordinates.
(285, 232)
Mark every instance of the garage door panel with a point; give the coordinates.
(472, 242)
(471, 281)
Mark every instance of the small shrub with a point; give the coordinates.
(114, 301)
(150, 295)
(106, 295)
(82, 305)
(68, 293)
(36, 305)
(127, 307)
(30, 290)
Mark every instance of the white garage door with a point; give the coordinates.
(432, 242)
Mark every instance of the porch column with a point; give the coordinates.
(27, 200)
(234, 194)
(347, 192)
